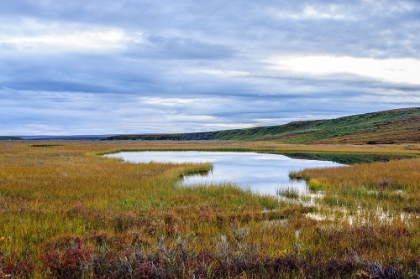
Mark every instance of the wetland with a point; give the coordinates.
(262, 173)
(66, 211)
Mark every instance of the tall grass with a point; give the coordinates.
(393, 185)
(66, 212)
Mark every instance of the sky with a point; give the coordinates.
(161, 66)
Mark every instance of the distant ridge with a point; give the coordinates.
(10, 138)
(76, 137)
(46, 137)
(386, 127)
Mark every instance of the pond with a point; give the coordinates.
(260, 172)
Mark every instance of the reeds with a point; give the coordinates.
(288, 193)
(393, 185)
(67, 213)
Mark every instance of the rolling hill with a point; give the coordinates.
(391, 126)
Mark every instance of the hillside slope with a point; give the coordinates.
(392, 126)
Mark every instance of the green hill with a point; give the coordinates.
(392, 126)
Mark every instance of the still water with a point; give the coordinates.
(261, 173)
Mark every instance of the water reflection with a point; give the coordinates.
(262, 173)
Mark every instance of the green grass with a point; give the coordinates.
(393, 126)
(288, 193)
(67, 212)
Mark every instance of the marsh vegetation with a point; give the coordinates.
(67, 212)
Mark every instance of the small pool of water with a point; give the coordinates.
(260, 172)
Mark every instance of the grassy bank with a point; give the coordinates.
(68, 213)
(391, 126)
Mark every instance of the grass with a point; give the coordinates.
(392, 126)
(66, 212)
(391, 185)
(288, 193)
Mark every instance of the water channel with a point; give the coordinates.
(260, 172)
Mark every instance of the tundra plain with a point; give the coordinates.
(68, 212)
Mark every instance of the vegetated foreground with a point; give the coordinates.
(68, 213)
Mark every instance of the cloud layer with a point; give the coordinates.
(104, 67)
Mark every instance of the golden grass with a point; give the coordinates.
(56, 194)
(393, 185)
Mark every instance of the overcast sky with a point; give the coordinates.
(151, 66)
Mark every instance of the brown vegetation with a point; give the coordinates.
(68, 213)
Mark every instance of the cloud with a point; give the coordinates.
(31, 34)
(74, 41)
(405, 71)
(180, 48)
(125, 66)
(317, 12)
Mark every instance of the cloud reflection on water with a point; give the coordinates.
(261, 173)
